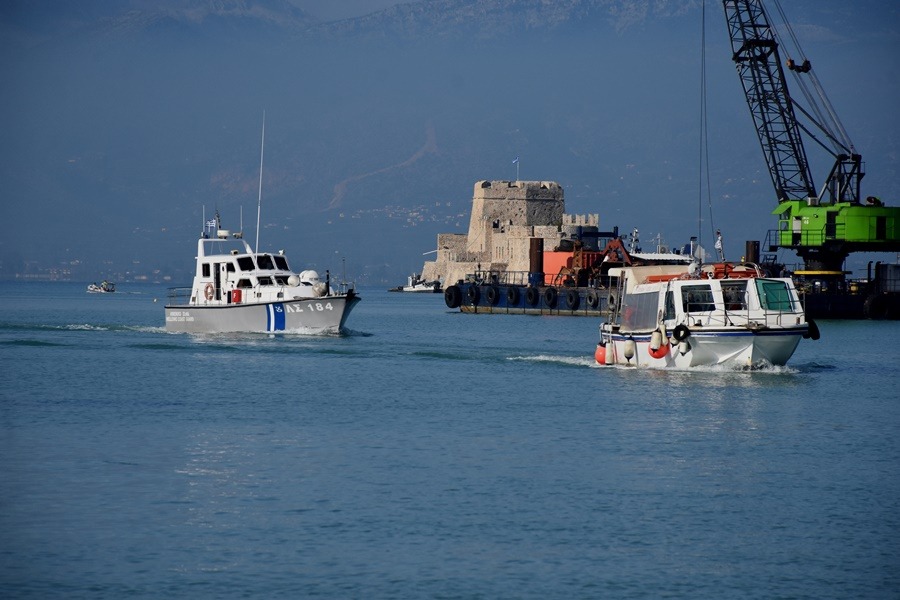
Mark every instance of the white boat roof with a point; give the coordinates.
(220, 246)
(662, 256)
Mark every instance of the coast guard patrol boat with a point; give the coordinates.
(238, 290)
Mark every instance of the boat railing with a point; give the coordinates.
(345, 286)
(491, 277)
(745, 316)
(179, 294)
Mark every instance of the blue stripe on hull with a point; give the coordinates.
(275, 317)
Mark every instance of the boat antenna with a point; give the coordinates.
(259, 200)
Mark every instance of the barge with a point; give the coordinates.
(578, 282)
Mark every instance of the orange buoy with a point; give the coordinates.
(659, 352)
(600, 354)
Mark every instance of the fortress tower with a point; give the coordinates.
(505, 216)
(502, 207)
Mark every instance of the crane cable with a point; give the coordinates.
(825, 115)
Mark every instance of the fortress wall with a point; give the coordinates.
(449, 272)
(581, 220)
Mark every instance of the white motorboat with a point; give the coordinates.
(715, 314)
(105, 287)
(414, 283)
(238, 290)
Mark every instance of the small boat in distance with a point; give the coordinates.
(105, 287)
(702, 315)
(415, 283)
(238, 289)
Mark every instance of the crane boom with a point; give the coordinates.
(824, 227)
(755, 53)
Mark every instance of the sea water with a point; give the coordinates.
(432, 454)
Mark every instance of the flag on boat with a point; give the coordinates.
(211, 223)
(516, 161)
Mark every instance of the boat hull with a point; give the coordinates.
(422, 289)
(325, 314)
(734, 348)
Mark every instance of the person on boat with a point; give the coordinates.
(719, 249)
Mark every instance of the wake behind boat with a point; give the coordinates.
(238, 290)
(716, 314)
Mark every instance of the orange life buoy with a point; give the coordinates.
(208, 291)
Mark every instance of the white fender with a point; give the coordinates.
(655, 340)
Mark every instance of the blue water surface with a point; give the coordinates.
(432, 454)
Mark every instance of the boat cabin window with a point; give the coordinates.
(205, 269)
(639, 311)
(244, 283)
(265, 262)
(281, 279)
(245, 263)
(735, 295)
(229, 267)
(264, 280)
(281, 262)
(697, 298)
(774, 295)
(670, 305)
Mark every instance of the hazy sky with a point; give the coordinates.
(124, 130)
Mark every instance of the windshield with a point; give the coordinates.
(774, 295)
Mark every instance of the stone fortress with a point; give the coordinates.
(506, 217)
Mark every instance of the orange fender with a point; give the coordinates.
(659, 352)
(600, 354)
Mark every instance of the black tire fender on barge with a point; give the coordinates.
(452, 297)
(573, 299)
(876, 307)
(550, 297)
(611, 302)
(532, 296)
(512, 295)
(493, 295)
(473, 294)
(593, 299)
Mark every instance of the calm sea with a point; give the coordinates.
(432, 454)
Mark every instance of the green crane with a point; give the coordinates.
(823, 227)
